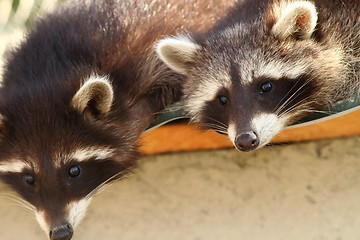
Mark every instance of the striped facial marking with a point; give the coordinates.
(13, 166)
(85, 154)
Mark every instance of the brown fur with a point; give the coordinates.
(40, 125)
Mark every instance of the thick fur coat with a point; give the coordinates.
(77, 94)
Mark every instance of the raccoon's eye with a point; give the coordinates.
(74, 171)
(223, 99)
(29, 179)
(266, 87)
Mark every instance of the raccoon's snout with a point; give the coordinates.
(247, 141)
(61, 232)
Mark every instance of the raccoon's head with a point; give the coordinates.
(57, 155)
(252, 78)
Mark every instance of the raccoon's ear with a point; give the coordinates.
(94, 97)
(177, 53)
(297, 18)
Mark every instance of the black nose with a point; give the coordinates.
(247, 141)
(61, 232)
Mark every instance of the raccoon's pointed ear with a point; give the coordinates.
(177, 53)
(298, 19)
(94, 97)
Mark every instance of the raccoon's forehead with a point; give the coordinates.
(235, 32)
(249, 65)
(255, 53)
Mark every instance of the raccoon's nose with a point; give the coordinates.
(247, 141)
(61, 232)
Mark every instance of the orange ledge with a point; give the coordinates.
(187, 137)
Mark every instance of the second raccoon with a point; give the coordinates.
(76, 95)
(267, 64)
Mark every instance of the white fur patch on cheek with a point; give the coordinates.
(40, 217)
(14, 166)
(267, 126)
(197, 101)
(77, 211)
(232, 131)
(206, 91)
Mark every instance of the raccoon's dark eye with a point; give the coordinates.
(223, 99)
(74, 171)
(266, 87)
(29, 179)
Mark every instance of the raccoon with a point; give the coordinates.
(267, 64)
(78, 92)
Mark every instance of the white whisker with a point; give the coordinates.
(288, 100)
(216, 128)
(300, 108)
(20, 202)
(277, 106)
(218, 122)
(97, 190)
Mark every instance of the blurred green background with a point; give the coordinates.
(15, 16)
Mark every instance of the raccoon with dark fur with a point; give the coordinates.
(267, 64)
(78, 92)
